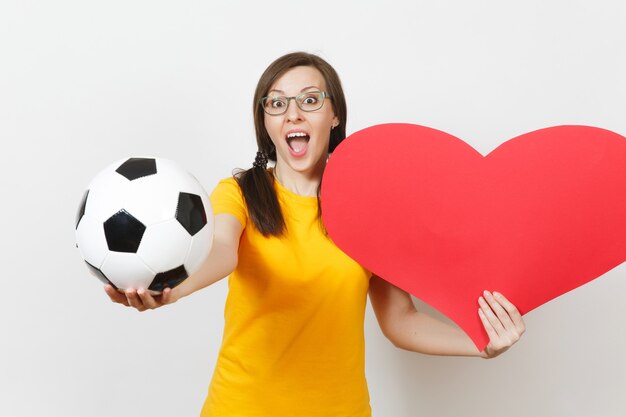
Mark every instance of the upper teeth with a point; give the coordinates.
(296, 134)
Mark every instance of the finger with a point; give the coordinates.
(502, 313)
(115, 295)
(514, 313)
(491, 332)
(134, 300)
(491, 317)
(166, 296)
(147, 299)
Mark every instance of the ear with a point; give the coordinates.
(335, 122)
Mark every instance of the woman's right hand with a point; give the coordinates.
(140, 299)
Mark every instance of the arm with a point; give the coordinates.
(220, 262)
(412, 330)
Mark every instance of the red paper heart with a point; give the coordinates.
(542, 214)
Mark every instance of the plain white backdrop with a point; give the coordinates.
(84, 83)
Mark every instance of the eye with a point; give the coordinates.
(310, 99)
(275, 103)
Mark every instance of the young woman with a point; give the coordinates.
(293, 340)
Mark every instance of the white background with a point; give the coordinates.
(84, 83)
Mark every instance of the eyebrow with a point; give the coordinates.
(305, 88)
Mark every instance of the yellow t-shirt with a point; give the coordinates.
(293, 340)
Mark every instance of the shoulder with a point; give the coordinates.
(226, 186)
(228, 182)
(226, 197)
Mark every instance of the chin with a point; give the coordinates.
(305, 164)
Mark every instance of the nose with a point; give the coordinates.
(293, 112)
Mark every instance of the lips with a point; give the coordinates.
(298, 142)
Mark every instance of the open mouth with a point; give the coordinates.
(298, 142)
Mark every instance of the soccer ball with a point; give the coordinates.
(144, 223)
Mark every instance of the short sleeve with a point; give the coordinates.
(227, 198)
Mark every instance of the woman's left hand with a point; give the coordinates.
(502, 321)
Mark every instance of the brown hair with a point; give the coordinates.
(257, 184)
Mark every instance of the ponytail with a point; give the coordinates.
(257, 187)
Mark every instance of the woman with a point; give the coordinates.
(293, 340)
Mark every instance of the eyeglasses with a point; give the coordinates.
(309, 101)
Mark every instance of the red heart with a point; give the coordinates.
(542, 214)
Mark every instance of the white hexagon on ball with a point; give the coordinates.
(162, 257)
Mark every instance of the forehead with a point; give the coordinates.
(298, 78)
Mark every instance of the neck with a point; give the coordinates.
(301, 183)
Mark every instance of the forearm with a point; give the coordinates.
(411, 330)
(221, 260)
(219, 263)
(419, 332)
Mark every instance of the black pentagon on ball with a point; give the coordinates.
(168, 279)
(100, 275)
(190, 212)
(81, 208)
(135, 168)
(123, 232)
